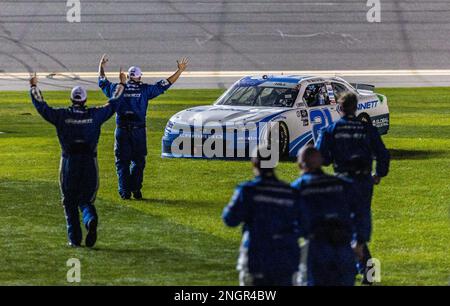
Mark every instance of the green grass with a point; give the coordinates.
(176, 236)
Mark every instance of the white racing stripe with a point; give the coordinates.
(237, 74)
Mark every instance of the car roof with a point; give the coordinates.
(282, 81)
(272, 80)
(277, 78)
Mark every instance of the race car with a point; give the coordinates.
(298, 105)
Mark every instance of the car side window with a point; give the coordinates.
(316, 95)
(267, 96)
(338, 89)
(272, 96)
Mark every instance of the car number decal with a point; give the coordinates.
(319, 118)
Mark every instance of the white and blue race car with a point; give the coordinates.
(301, 106)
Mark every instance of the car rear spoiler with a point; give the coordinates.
(363, 87)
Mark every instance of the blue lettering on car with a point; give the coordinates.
(367, 105)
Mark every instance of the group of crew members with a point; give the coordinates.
(78, 128)
(329, 214)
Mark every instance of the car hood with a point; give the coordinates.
(224, 114)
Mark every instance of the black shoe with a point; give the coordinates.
(137, 195)
(73, 245)
(91, 236)
(125, 196)
(366, 282)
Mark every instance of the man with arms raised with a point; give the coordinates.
(131, 136)
(78, 128)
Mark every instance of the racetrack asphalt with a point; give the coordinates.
(253, 35)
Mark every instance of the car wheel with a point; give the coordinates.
(283, 140)
(364, 117)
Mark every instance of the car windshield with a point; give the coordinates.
(259, 96)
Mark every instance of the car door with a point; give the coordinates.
(321, 104)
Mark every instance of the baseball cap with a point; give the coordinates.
(134, 72)
(78, 94)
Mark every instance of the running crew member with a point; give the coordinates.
(78, 129)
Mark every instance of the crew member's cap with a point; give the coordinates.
(134, 72)
(78, 94)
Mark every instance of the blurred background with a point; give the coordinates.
(232, 35)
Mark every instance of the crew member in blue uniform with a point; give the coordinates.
(351, 145)
(269, 212)
(131, 140)
(78, 129)
(330, 220)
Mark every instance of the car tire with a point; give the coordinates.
(364, 117)
(284, 140)
(283, 144)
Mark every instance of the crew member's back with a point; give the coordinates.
(330, 219)
(78, 128)
(269, 211)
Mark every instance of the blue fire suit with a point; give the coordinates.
(269, 210)
(131, 139)
(351, 145)
(78, 129)
(330, 219)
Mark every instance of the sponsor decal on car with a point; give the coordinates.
(381, 122)
(367, 105)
